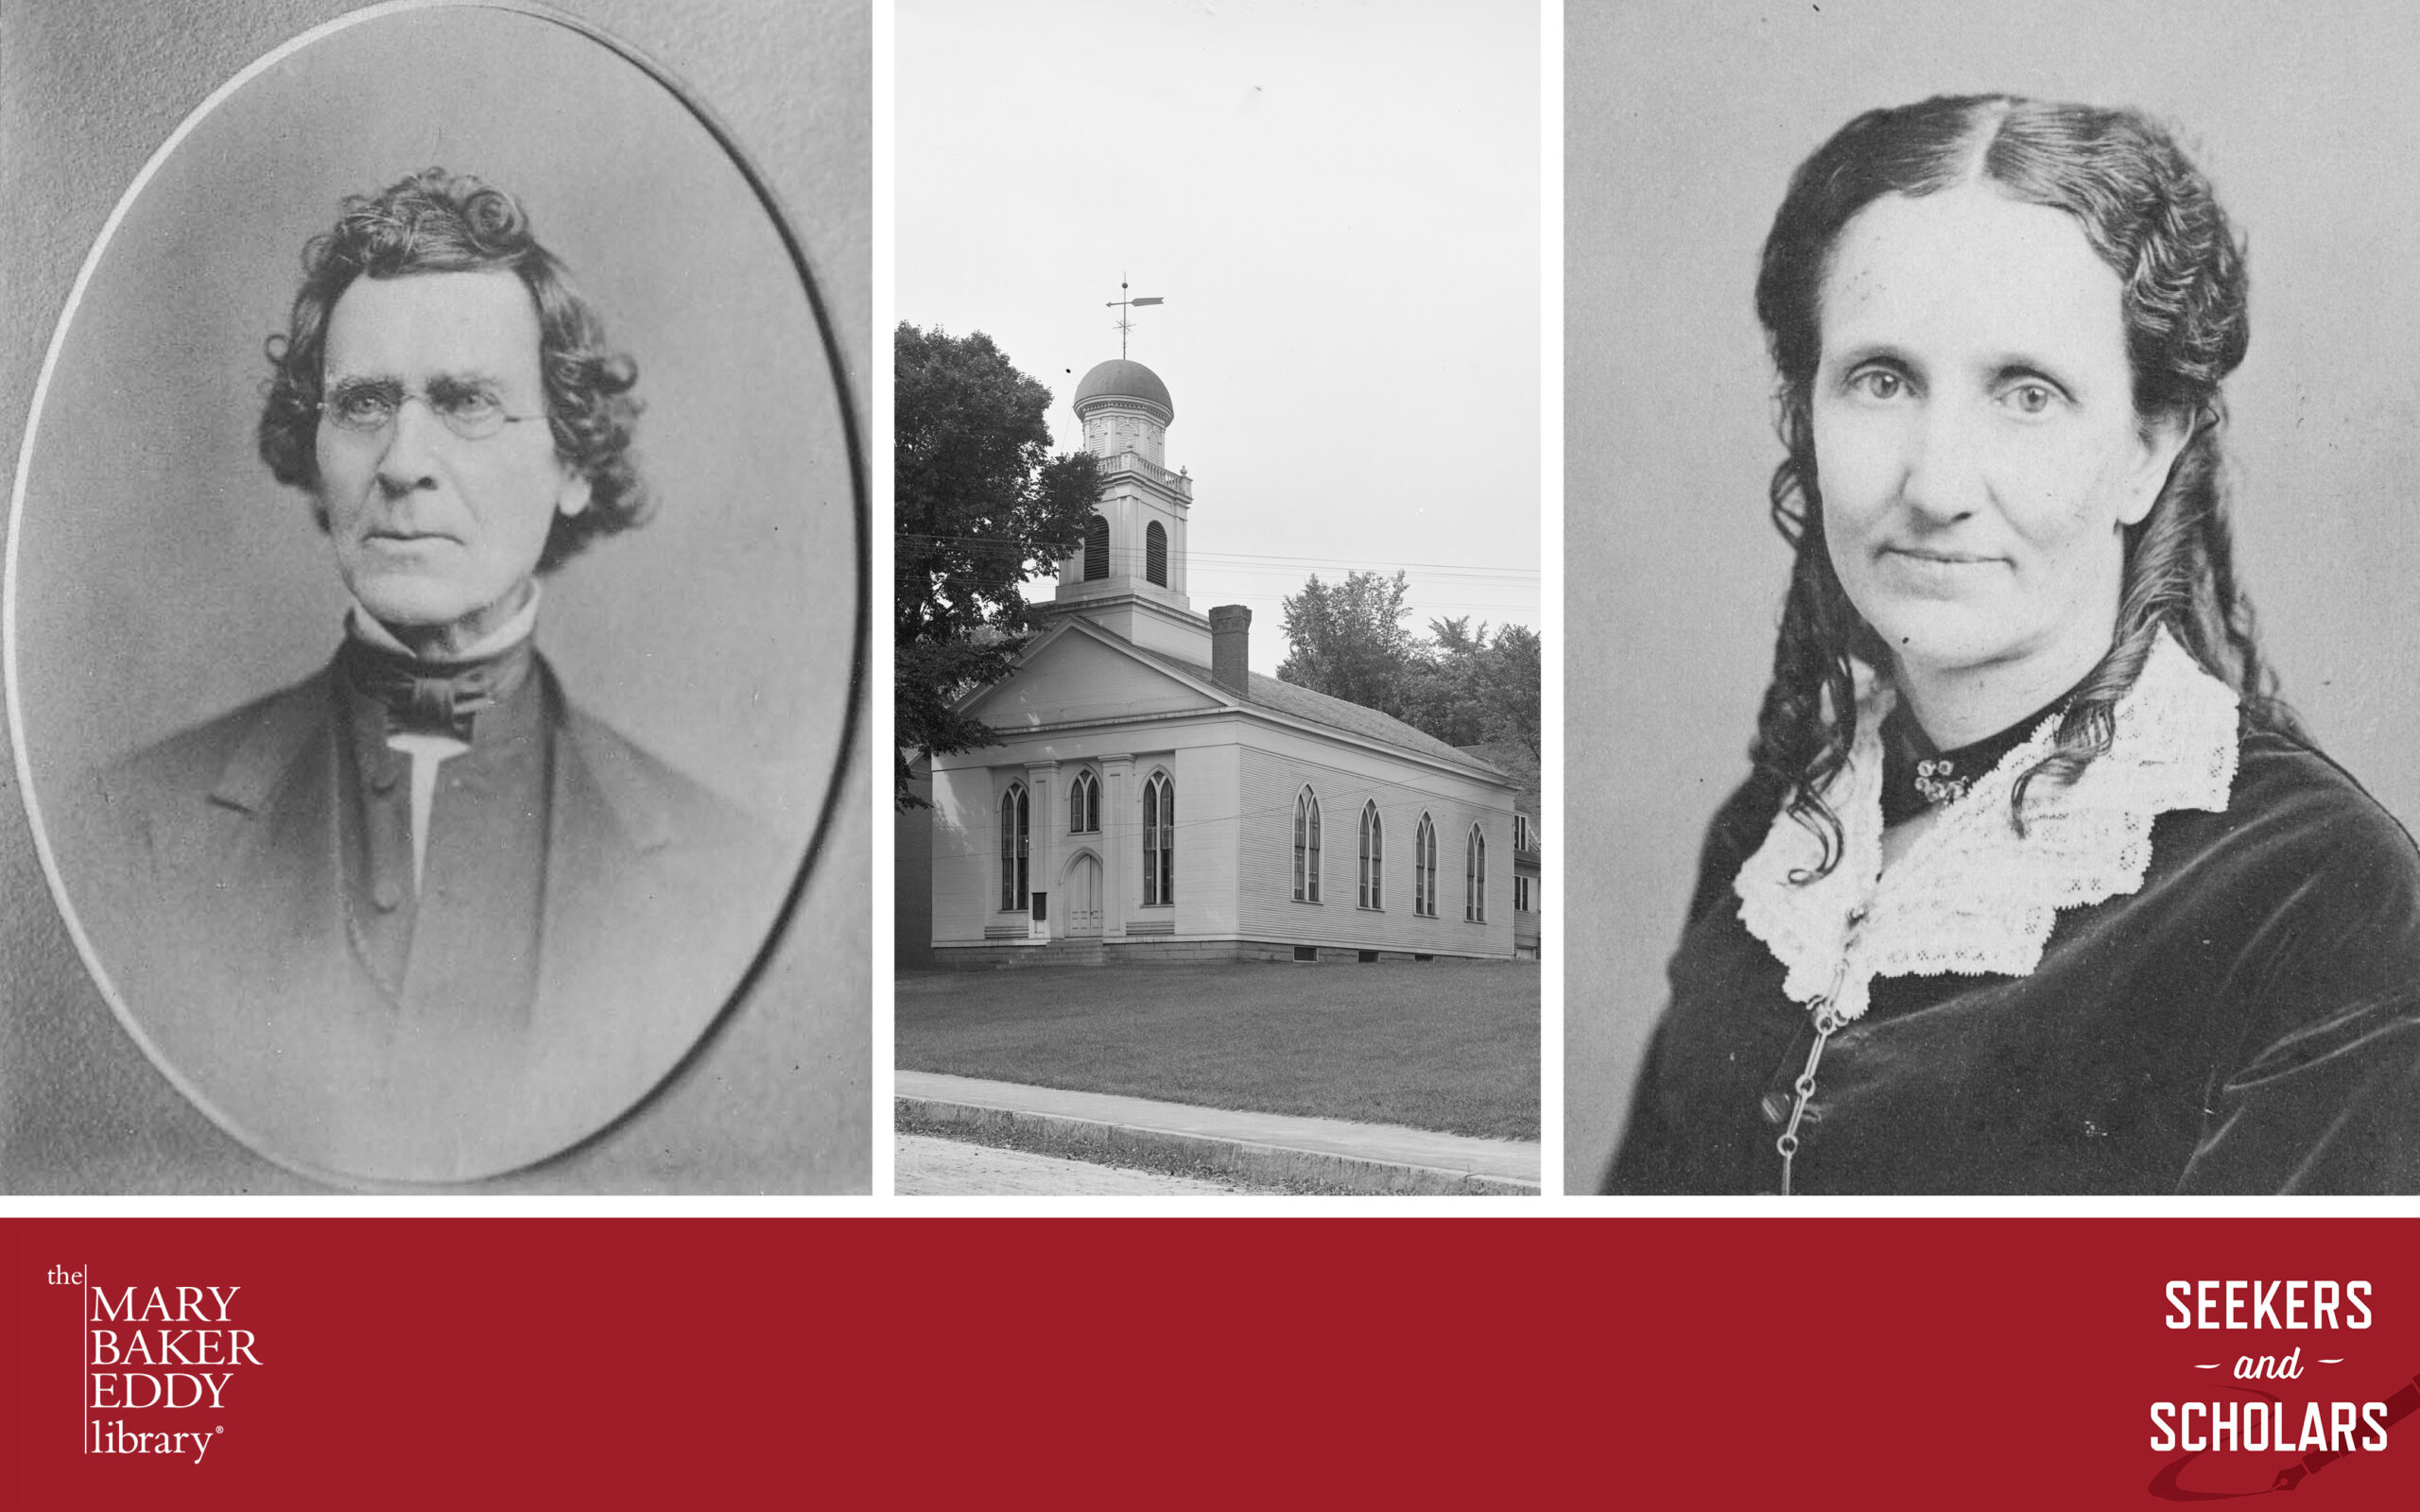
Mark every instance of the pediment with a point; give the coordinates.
(1076, 678)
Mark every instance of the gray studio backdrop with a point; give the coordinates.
(164, 577)
(1681, 125)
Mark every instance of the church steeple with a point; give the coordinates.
(1129, 577)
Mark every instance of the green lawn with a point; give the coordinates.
(1451, 1047)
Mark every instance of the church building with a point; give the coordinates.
(1154, 798)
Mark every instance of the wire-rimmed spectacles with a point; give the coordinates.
(472, 412)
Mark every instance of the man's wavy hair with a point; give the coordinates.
(438, 222)
(2149, 214)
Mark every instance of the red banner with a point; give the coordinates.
(376, 1363)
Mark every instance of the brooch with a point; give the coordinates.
(1938, 782)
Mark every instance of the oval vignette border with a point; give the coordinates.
(853, 695)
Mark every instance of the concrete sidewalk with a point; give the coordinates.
(927, 1166)
(1272, 1148)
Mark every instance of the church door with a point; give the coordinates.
(1083, 896)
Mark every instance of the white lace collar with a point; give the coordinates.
(1970, 895)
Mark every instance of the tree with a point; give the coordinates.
(1493, 687)
(982, 508)
(1348, 641)
(1446, 691)
(1463, 686)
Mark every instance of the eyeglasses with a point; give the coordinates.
(365, 409)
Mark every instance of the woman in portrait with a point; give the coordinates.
(2035, 887)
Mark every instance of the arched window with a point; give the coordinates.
(1423, 869)
(1475, 878)
(1014, 850)
(1096, 549)
(1159, 840)
(1155, 554)
(1374, 857)
(1307, 847)
(1083, 803)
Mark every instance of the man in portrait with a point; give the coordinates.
(419, 915)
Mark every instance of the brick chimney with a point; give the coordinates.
(1230, 648)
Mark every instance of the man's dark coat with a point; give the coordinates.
(212, 885)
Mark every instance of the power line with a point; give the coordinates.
(1339, 561)
(1464, 569)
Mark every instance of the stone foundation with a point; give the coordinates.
(985, 958)
(1146, 949)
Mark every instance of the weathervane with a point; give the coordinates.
(1126, 321)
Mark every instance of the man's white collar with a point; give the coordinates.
(1971, 895)
(364, 626)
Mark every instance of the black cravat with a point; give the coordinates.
(434, 698)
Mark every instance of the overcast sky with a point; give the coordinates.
(1340, 203)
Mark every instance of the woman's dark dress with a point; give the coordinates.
(2247, 1022)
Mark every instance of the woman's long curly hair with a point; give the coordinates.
(437, 222)
(2149, 214)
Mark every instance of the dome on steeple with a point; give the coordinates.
(1119, 379)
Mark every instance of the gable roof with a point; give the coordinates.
(1321, 709)
(1272, 693)
(1527, 801)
